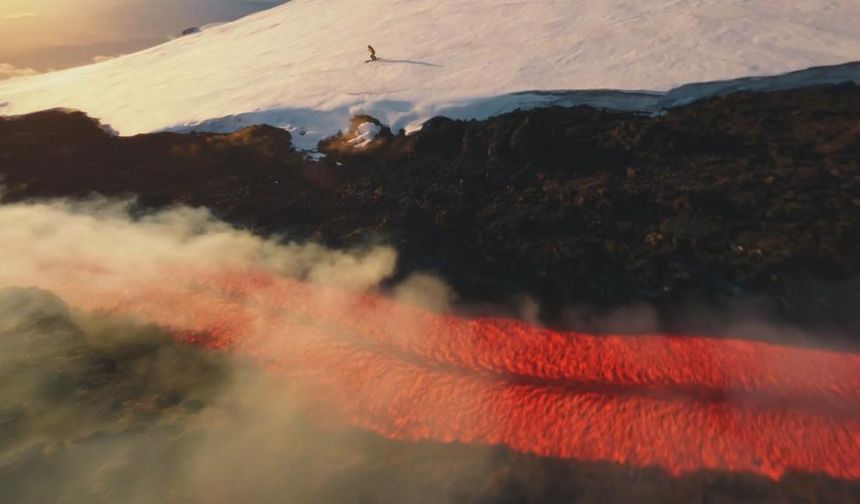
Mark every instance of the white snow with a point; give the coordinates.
(365, 133)
(301, 65)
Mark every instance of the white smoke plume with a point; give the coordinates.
(103, 407)
(100, 405)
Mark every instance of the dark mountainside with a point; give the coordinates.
(743, 203)
(736, 204)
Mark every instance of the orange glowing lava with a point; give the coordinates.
(681, 403)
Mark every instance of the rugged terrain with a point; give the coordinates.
(170, 359)
(301, 65)
(747, 203)
(736, 205)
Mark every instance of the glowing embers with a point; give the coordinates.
(682, 403)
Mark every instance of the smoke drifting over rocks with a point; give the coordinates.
(99, 405)
(104, 407)
(742, 203)
(98, 408)
(87, 399)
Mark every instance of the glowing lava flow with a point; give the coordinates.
(682, 403)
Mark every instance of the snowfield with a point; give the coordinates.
(302, 65)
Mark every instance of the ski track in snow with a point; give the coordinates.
(298, 65)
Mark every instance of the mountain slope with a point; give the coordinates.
(301, 65)
(749, 201)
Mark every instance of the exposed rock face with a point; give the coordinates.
(748, 196)
(364, 132)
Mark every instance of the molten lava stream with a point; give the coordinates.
(732, 366)
(682, 403)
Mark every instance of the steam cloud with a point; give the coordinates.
(8, 71)
(114, 408)
(105, 407)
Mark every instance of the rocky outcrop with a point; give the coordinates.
(746, 200)
(736, 200)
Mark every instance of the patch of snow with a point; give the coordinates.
(211, 25)
(301, 65)
(365, 134)
(834, 74)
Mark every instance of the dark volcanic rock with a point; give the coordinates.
(748, 199)
(736, 198)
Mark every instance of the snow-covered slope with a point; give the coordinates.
(302, 65)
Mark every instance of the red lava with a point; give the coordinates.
(683, 403)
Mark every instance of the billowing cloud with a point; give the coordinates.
(20, 15)
(118, 409)
(7, 71)
(102, 390)
(101, 57)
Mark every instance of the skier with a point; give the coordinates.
(372, 53)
